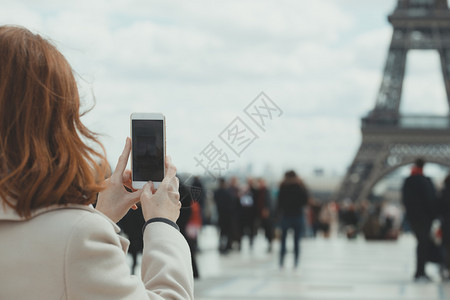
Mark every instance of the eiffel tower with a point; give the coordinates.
(390, 140)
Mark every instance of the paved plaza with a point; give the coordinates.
(334, 268)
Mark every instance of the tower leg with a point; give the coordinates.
(445, 66)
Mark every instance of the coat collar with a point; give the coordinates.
(9, 214)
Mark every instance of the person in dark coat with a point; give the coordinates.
(419, 199)
(264, 211)
(132, 225)
(224, 205)
(247, 215)
(235, 191)
(292, 197)
(350, 219)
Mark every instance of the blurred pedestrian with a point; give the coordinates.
(247, 215)
(235, 192)
(419, 199)
(264, 211)
(199, 193)
(314, 208)
(390, 219)
(225, 210)
(132, 225)
(292, 198)
(349, 218)
(325, 219)
(190, 212)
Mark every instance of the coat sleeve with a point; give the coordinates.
(96, 266)
(167, 265)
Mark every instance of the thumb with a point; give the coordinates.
(133, 197)
(148, 190)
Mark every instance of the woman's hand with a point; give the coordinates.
(115, 200)
(164, 202)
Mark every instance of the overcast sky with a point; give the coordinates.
(202, 62)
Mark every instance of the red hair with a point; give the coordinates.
(44, 156)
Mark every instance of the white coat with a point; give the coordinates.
(75, 252)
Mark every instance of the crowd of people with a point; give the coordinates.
(247, 207)
(243, 209)
(242, 213)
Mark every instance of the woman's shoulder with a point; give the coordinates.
(78, 215)
(81, 225)
(73, 217)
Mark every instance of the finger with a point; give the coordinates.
(171, 171)
(126, 176)
(173, 184)
(148, 190)
(174, 197)
(134, 197)
(168, 161)
(128, 182)
(123, 159)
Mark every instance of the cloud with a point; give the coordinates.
(201, 62)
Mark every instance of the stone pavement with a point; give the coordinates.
(334, 268)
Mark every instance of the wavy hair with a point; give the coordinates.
(45, 158)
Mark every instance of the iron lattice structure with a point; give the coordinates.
(390, 140)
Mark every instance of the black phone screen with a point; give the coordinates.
(148, 150)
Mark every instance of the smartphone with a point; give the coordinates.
(148, 148)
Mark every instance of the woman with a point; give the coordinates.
(55, 245)
(292, 197)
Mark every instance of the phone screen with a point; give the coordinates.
(148, 150)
